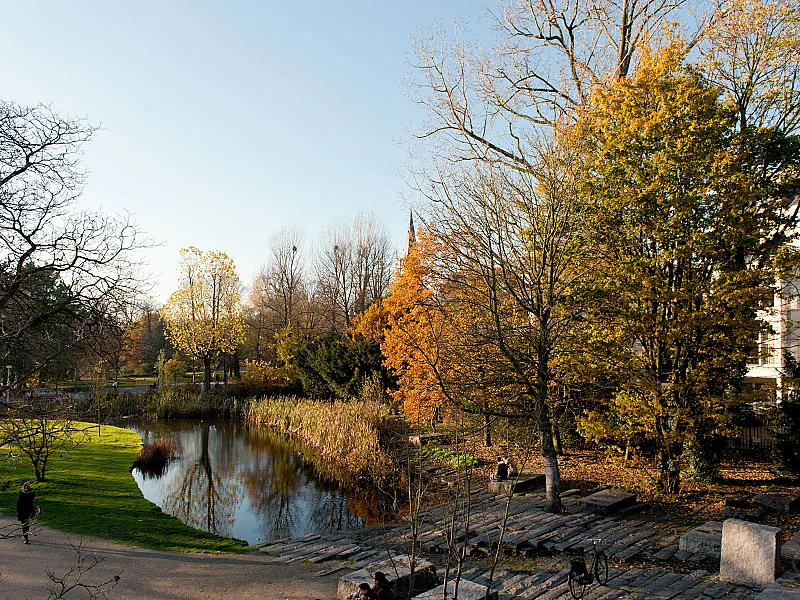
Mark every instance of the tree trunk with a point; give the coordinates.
(487, 431)
(206, 385)
(237, 373)
(549, 455)
(669, 471)
(557, 440)
(551, 470)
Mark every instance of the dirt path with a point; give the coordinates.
(151, 575)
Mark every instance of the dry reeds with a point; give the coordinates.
(343, 433)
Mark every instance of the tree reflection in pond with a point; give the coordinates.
(201, 494)
(285, 490)
(250, 484)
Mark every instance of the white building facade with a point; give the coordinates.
(767, 366)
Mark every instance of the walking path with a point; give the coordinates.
(642, 547)
(643, 550)
(149, 574)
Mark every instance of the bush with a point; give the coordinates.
(446, 455)
(335, 366)
(156, 452)
(153, 457)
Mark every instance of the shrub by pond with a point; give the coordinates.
(153, 457)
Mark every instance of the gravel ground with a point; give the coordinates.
(148, 574)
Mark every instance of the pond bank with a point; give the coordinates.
(251, 483)
(89, 492)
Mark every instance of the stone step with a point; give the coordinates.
(705, 539)
(609, 501)
(780, 503)
(786, 587)
(525, 483)
(467, 590)
(397, 571)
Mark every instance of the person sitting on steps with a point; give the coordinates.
(382, 589)
(501, 472)
(363, 591)
(512, 466)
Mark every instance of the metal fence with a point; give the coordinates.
(755, 434)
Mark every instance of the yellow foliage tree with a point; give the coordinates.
(205, 317)
(688, 216)
(174, 368)
(370, 324)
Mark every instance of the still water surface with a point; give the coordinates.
(246, 483)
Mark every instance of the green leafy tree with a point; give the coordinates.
(204, 317)
(286, 346)
(335, 366)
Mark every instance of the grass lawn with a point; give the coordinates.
(90, 492)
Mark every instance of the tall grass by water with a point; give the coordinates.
(188, 403)
(344, 433)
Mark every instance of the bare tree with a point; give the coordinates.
(40, 429)
(547, 59)
(63, 271)
(281, 296)
(279, 284)
(75, 578)
(752, 51)
(353, 268)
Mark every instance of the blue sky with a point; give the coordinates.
(223, 122)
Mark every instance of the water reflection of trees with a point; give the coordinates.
(289, 492)
(203, 494)
(285, 491)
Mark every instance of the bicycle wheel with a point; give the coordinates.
(601, 568)
(576, 584)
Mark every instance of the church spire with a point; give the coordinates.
(412, 236)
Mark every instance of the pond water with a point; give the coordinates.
(247, 483)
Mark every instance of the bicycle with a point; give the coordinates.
(580, 576)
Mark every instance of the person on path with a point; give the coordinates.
(382, 590)
(25, 509)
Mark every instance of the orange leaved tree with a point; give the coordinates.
(413, 337)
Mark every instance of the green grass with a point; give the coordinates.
(90, 492)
